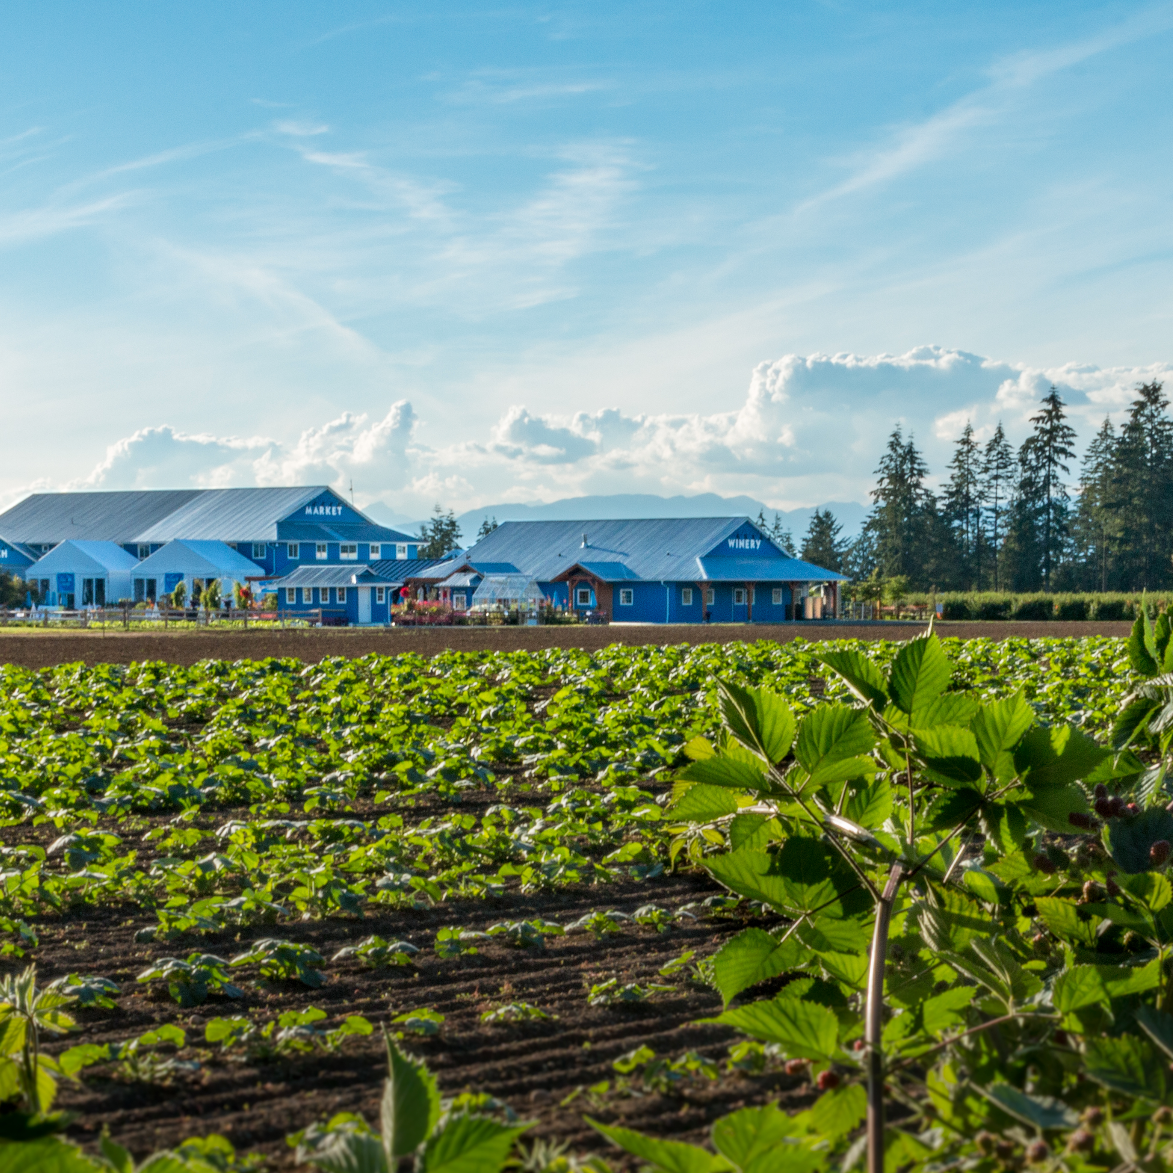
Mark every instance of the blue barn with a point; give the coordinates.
(346, 595)
(687, 570)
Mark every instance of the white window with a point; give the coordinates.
(401, 551)
(320, 551)
(739, 596)
(376, 551)
(291, 595)
(307, 595)
(144, 552)
(776, 596)
(626, 594)
(293, 550)
(710, 596)
(341, 593)
(459, 601)
(583, 595)
(258, 549)
(380, 594)
(686, 597)
(348, 551)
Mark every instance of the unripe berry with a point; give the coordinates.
(1159, 852)
(1132, 810)
(1081, 1141)
(1163, 1116)
(796, 1066)
(859, 1044)
(1113, 887)
(1004, 1150)
(827, 1080)
(985, 1142)
(1037, 1151)
(1092, 892)
(1093, 1116)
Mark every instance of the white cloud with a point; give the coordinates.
(810, 428)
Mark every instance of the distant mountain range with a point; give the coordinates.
(849, 514)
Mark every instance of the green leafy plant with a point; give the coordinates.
(613, 993)
(284, 961)
(412, 1126)
(661, 1074)
(88, 990)
(424, 1022)
(453, 941)
(525, 934)
(375, 953)
(602, 924)
(516, 1012)
(138, 1060)
(292, 1032)
(190, 982)
(25, 1012)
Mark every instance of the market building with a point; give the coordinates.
(685, 570)
(193, 563)
(78, 574)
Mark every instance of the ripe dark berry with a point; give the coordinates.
(1159, 852)
(1113, 887)
(1092, 892)
(1005, 1149)
(1104, 807)
(796, 1066)
(1100, 791)
(827, 1080)
(1080, 819)
(1037, 1151)
(985, 1142)
(1093, 1116)
(1043, 864)
(1117, 805)
(1081, 1141)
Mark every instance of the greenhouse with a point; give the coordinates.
(508, 592)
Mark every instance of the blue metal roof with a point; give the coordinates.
(85, 558)
(333, 576)
(609, 571)
(402, 569)
(232, 514)
(309, 531)
(762, 570)
(652, 550)
(49, 518)
(198, 560)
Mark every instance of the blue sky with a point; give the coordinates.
(472, 253)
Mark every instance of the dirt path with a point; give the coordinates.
(42, 649)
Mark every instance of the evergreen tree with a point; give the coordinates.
(1143, 490)
(1042, 461)
(822, 544)
(782, 537)
(1095, 516)
(961, 506)
(440, 536)
(997, 489)
(902, 523)
(487, 527)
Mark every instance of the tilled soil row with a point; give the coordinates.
(34, 648)
(531, 1066)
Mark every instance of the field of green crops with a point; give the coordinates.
(215, 815)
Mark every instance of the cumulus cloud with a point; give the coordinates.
(810, 428)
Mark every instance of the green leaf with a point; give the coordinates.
(1050, 805)
(1056, 755)
(944, 1009)
(672, 1156)
(1077, 988)
(1133, 718)
(950, 708)
(410, 1106)
(836, 933)
(727, 772)
(751, 957)
(952, 808)
(470, 1144)
(756, 1140)
(1131, 839)
(1004, 825)
(950, 752)
(1062, 918)
(839, 1111)
(1141, 648)
(1042, 1112)
(952, 922)
(1158, 1026)
(753, 831)
(750, 874)
(999, 727)
(49, 1155)
(862, 676)
(702, 803)
(804, 1030)
(760, 720)
(800, 878)
(871, 804)
(1126, 1064)
(920, 674)
(830, 739)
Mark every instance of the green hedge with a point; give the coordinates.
(998, 605)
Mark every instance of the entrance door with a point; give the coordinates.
(364, 604)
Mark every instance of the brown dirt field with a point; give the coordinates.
(40, 649)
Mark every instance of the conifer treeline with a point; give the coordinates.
(1022, 521)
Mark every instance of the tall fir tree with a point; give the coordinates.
(822, 544)
(902, 522)
(1095, 524)
(1143, 490)
(961, 508)
(1043, 460)
(440, 536)
(997, 490)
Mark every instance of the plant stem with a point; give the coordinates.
(874, 1022)
(956, 859)
(973, 1030)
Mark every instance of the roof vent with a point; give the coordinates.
(585, 543)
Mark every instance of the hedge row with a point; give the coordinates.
(998, 605)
